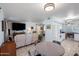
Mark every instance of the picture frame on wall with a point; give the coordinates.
(3, 25)
(32, 28)
(48, 26)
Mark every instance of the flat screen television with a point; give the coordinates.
(18, 26)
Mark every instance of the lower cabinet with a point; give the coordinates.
(62, 37)
(76, 37)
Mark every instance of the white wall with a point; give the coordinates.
(54, 32)
(29, 34)
(1, 32)
(29, 25)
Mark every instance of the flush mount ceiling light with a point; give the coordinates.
(49, 6)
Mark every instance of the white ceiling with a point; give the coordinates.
(35, 12)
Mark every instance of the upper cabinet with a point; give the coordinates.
(70, 28)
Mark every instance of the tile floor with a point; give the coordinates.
(71, 47)
(24, 50)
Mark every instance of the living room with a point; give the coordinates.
(29, 29)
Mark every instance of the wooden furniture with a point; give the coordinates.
(8, 49)
(49, 49)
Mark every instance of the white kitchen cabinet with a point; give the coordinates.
(62, 36)
(49, 35)
(76, 37)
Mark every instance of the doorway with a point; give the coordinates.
(69, 36)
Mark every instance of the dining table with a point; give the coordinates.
(50, 49)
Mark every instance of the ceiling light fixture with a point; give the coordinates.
(49, 6)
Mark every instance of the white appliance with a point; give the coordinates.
(76, 37)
